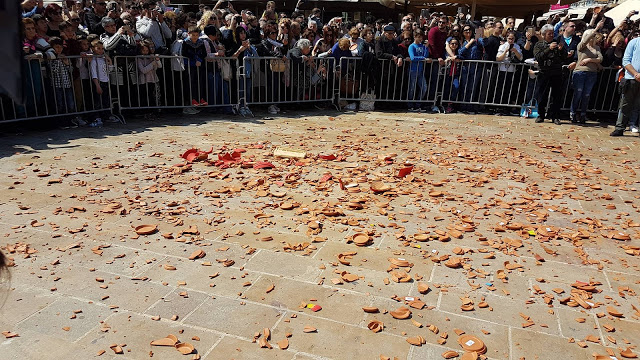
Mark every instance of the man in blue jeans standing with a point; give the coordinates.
(630, 98)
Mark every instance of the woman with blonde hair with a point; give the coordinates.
(209, 18)
(585, 74)
(284, 27)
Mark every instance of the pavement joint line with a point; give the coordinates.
(606, 277)
(161, 299)
(510, 341)
(213, 346)
(557, 316)
(196, 308)
(248, 288)
(93, 328)
(595, 318)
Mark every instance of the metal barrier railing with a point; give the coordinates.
(60, 88)
(488, 83)
(604, 97)
(169, 82)
(270, 80)
(409, 82)
(64, 88)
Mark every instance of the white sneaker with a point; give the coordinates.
(435, 109)
(190, 111)
(273, 109)
(96, 123)
(634, 129)
(351, 106)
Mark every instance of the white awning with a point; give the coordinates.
(621, 11)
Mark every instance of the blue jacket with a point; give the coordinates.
(418, 54)
(193, 52)
(474, 52)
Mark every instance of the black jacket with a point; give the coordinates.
(386, 49)
(92, 21)
(550, 60)
(266, 49)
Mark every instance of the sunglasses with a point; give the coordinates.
(75, 20)
(456, 30)
(467, 30)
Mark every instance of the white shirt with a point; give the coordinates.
(504, 63)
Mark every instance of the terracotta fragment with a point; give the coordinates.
(309, 329)
(197, 254)
(283, 344)
(450, 354)
(401, 313)
(614, 312)
(423, 288)
(370, 309)
(170, 340)
(116, 348)
(146, 229)
(375, 326)
(628, 353)
(185, 348)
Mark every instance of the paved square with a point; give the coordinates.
(525, 236)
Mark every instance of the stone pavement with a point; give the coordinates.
(523, 226)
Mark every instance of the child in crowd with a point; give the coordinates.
(218, 89)
(147, 77)
(62, 83)
(99, 68)
(82, 83)
(452, 75)
(195, 53)
(418, 53)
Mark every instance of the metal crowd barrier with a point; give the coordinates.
(55, 88)
(486, 83)
(605, 97)
(270, 80)
(170, 82)
(410, 82)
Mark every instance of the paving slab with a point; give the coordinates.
(543, 203)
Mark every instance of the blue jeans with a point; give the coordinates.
(65, 101)
(218, 88)
(417, 84)
(583, 82)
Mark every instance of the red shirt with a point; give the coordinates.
(437, 40)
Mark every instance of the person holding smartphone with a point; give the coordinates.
(551, 56)
(152, 26)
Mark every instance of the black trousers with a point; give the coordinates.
(629, 101)
(549, 83)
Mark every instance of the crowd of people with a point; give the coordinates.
(73, 49)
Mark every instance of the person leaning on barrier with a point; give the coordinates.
(302, 67)
(630, 99)
(550, 55)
